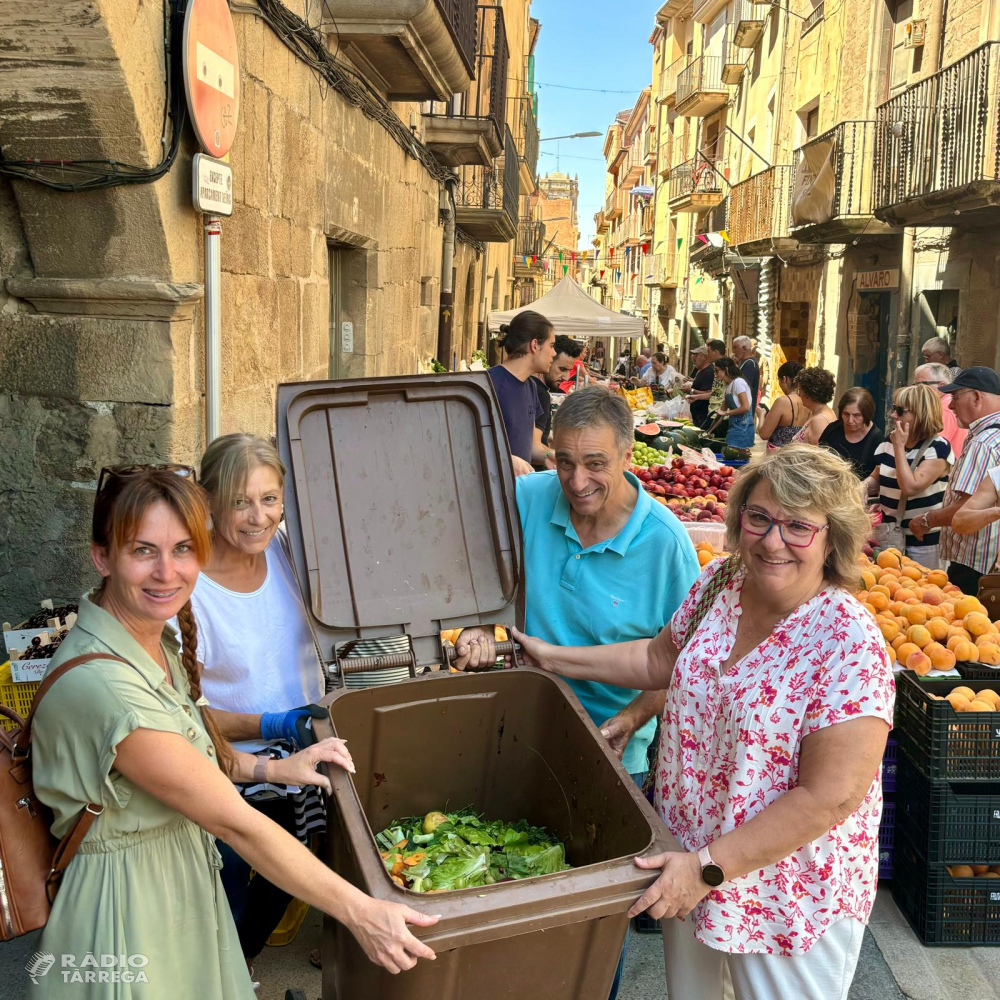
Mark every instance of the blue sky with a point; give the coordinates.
(601, 47)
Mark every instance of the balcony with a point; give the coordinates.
(526, 141)
(600, 222)
(530, 240)
(646, 221)
(733, 62)
(670, 75)
(630, 172)
(747, 23)
(937, 155)
(469, 128)
(618, 160)
(758, 212)
(486, 198)
(659, 270)
(665, 159)
(706, 254)
(700, 89)
(649, 148)
(412, 50)
(695, 186)
(613, 206)
(833, 182)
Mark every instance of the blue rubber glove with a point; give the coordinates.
(290, 725)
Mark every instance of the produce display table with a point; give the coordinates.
(711, 531)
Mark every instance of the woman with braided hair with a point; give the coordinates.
(126, 735)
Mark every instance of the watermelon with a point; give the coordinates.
(647, 432)
(736, 454)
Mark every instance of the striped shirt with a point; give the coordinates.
(929, 499)
(980, 453)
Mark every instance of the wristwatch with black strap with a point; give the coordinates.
(711, 873)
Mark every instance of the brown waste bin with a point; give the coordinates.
(401, 517)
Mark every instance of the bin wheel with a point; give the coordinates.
(295, 995)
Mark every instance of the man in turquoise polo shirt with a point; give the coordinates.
(603, 562)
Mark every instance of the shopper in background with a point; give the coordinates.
(788, 415)
(642, 366)
(135, 738)
(976, 403)
(937, 351)
(623, 366)
(660, 372)
(912, 468)
(738, 406)
(937, 376)
(854, 435)
(700, 385)
(744, 356)
(529, 343)
(715, 395)
(779, 701)
(568, 353)
(815, 388)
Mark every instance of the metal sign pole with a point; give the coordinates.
(213, 327)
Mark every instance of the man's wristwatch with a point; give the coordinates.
(711, 873)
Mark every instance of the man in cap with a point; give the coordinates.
(701, 384)
(971, 545)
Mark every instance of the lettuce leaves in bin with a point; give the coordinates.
(465, 851)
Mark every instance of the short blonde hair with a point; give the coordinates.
(924, 403)
(803, 477)
(228, 463)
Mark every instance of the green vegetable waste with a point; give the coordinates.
(460, 850)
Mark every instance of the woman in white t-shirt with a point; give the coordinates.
(738, 405)
(262, 672)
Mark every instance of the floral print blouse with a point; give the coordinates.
(730, 747)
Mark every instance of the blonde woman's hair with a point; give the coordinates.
(924, 403)
(228, 463)
(806, 478)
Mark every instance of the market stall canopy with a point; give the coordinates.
(574, 313)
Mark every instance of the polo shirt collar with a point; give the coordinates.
(990, 420)
(110, 632)
(620, 542)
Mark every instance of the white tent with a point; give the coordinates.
(574, 313)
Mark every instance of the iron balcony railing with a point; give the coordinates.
(494, 188)
(488, 93)
(670, 75)
(758, 206)
(609, 202)
(746, 21)
(815, 16)
(659, 268)
(527, 135)
(530, 237)
(646, 221)
(849, 149)
(460, 16)
(714, 221)
(701, 74)
(942, 133)
(698, 176)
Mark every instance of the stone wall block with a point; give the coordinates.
(245, 242)
(286, 330)
(256, 165)
(281, 251)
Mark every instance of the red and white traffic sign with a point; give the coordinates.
(212, 74)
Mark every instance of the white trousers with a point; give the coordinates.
(926, 555)
(825, 972)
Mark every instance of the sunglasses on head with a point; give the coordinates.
(110, 472)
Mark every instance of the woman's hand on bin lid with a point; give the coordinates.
(381, 930)
(677, 891)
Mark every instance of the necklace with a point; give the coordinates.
(165, 663)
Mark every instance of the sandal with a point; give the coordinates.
(314, 959)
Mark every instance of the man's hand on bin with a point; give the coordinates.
(476, 649)
(618, 730)
(521, 467)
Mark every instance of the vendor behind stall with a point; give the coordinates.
(568, 353)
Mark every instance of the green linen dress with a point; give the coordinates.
(145, 883)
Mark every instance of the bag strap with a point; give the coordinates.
(901, 507)
(719, 581)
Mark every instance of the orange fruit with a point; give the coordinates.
(918, 635)
(867, 579)
(938, 577)
(904, 594)
(960, 871)
(889, 559)
(989, 653)
(941, 658)
(892, 585)
(880, 588)
(989, 696)
(891, 653)
(981, 706)
(704, 558)
(966, 692)
(889, 629)
(911, 572)
(915, 614)
(933, 596)
(870, 608)
(947, 610)
(957, 701)
(919, 663)
(905, 651)
(966, 652)
(898, 641)
(878, 600)
(976, 623)
(980, 869)
(938, 628)
(950, 588)
(966, 605)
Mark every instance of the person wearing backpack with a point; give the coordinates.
(124, 736)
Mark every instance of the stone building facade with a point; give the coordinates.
(337, 219)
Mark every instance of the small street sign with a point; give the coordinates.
(212, 187)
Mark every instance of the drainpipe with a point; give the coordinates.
(446, 311)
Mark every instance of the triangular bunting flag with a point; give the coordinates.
(680, 240)
(560, 256)
(565, 268)
(724, 235)
(534, 257)
(602, 272)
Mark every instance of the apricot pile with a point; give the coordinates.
(927, 622)
(973, 871)
(964, 699)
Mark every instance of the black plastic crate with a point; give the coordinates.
(941, 742)
(978, 672)
(955, 823)
(886, 839)
(645, 924)
(889, 766)
(943, 910)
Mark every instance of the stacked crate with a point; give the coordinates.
(947, 813)
(887, 828)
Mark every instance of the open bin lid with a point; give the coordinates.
(399, 501)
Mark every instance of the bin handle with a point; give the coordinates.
(507, 648)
